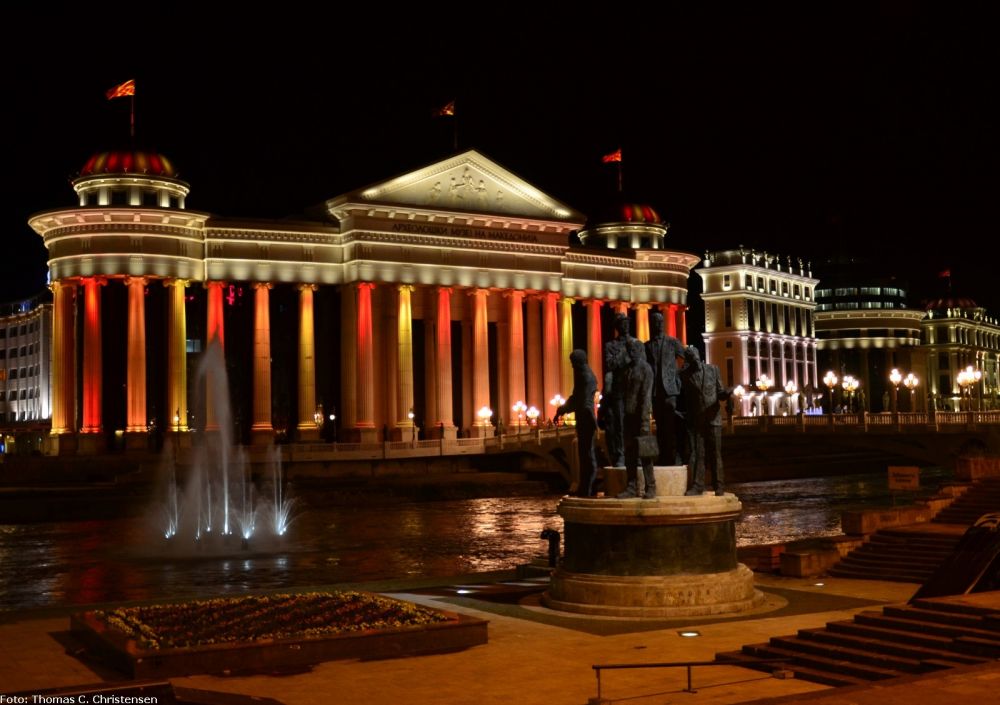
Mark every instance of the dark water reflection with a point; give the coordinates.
(332, 541)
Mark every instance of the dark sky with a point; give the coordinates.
(823, 130)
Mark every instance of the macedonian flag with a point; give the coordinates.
(122, 90)
(615, 156)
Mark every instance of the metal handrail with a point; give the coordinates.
(675, 664)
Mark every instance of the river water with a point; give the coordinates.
(335, 541)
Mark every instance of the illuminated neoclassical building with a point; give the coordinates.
(959, 334)
(759, 320)
(415, 302)
(25, 354)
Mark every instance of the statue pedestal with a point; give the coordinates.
(655, 558)
(614, 479)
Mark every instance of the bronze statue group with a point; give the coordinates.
(643, 380)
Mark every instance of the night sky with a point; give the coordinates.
(862, 132)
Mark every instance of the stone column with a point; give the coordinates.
(92, 354)
(515, 367)
(642, 322)
(682, 323)
(621, 307)
(404, 343)
(480, 363)
(565, 345)
(433, 427)
(669, 312)
(552, 371)
(63, 359)
(595, 351)
(136, 379)
(784, 368)
(348, 360)
(533, 341)
(177, 404)
(215, 347)
(443, 362)
(307, 428)
(365, 382)
(262, 430)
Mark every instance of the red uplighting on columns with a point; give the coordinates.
(366, 358)
(92, 354)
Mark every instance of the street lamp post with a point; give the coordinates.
(739, 393)
(556, 402)
(519, 408)
(895, 377)
(967, 379)
(911, 382)
(484, 414)
(764, 383)
(850, 385)
(790, 389)
(830, 380)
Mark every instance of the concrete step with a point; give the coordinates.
(838, 652)
(833, 666)
(962, 645)
(970, 622)
(846, 570)
(801, 671)
(932, 603)
(877, 557)
(905, 648)
(923, 627)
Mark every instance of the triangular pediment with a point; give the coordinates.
(466, 182)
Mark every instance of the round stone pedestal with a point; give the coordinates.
(658, 558)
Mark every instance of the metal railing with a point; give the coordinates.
(674, 664)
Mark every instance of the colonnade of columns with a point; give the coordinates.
(536, 339)
(800, 366)
(535, 332)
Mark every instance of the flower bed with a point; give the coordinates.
(269, 631)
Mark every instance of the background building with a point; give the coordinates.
(25, 355)
(759, 327)
(866, 328)
(957, 335)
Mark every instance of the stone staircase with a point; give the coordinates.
(926, 635)
(983, 497)
(912, 553)
(903, 554)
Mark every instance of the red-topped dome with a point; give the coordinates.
(639, 213)
(961, 302)
(129, 162)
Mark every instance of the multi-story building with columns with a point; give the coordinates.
(25, 352)
(436, 294)
(759, 321)
(866, 329)
(958, 334)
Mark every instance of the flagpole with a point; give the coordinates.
(454, 129)
(619, 176)
(131, 121)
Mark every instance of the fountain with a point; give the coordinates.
(219, 501)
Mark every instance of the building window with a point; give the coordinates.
(748, 281)
(751, 314)
(728, 306)
(774, 286)
(727, 282)
(760, 283)
(729, 372)
(784, 288)
(13, 373)
(729, 343)
(798, 291)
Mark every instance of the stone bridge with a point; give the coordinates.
(753, 447)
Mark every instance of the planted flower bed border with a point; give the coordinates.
(285, 631)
